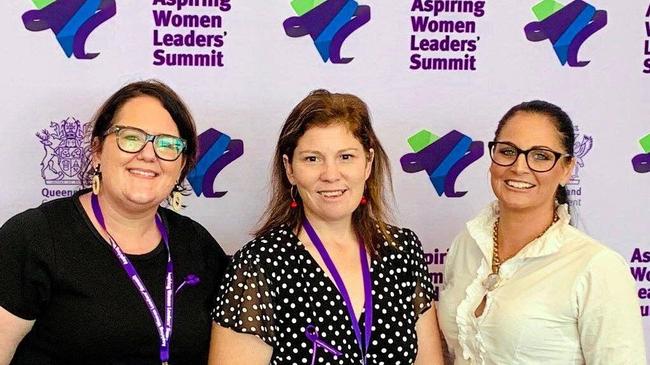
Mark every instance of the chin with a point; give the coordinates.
(518, 204)
(144, 198)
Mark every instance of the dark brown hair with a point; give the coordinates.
(560, 119)
(322, 108)
(103, 118)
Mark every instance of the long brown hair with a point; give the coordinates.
(322, 108)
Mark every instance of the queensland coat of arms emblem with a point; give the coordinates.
(67, 152)
(581, 148)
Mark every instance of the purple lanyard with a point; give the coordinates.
(164, 328)
(367, 288)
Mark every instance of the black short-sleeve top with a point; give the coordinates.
(56, 269)
(274, 289)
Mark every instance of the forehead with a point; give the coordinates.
(333, 136)
(146, 113)
(531, 129)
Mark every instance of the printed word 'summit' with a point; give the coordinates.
(211, 59)
(418, 62)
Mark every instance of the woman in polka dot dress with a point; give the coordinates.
(326, 281)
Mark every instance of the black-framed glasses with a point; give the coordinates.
(538, 159)
(133, 140)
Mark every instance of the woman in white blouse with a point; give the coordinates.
(522, 286)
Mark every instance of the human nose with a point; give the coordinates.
(147, 152)
(521, 165)
(330, 171)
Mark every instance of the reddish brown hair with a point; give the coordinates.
(322, 108)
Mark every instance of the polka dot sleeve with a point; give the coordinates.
(245, 302)
(423, 293)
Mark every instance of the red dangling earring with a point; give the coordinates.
(363, 201)
(294, 203)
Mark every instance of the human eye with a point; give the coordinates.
(542, 155)
(347, 156)
(506, 150)
(170, 143)
(130, 139)
(310, 158)
(131, 135)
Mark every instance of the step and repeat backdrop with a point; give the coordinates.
(436, 74)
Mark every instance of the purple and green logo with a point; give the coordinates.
(566, 26)
(641, 162)
(72, 21)
(328, 23)
(443, 158)
(216, 151)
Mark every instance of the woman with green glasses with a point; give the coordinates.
(107, 275)
(523, 286)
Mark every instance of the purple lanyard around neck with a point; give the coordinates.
(367, 288)
(164, 328)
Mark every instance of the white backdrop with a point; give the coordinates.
(257, 73)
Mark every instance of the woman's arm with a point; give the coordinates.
(609, 318)
(429, 344)
(12, 330)
(228, 347)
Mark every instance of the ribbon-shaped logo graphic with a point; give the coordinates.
(72, 21)
(328, 23)
(443, 158)
(641, 162)
(216, 151)
(567, 27)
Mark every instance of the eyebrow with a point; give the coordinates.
(535, 147)
(320, 153)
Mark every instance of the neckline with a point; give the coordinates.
(328, 278)
(480, 228)
(155, 252)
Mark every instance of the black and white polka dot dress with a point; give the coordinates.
(274, 289)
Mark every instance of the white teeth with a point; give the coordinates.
(519, 184)
(331, 194)
(142, 173)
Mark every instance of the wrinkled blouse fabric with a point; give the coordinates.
(563, 299)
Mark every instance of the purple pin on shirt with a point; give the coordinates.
(190, 280)
(363, 342)
(312, 335)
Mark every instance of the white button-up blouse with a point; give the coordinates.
(563, 299)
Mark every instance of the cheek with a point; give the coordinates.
(495, 173)
(174, 171)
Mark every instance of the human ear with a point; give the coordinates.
(288, 170)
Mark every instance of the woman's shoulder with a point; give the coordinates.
(190, 232)
(399, 239)
(270, 247)
(591, 251)
(181, 223)
(37, 218)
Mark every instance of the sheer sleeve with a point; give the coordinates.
(423, 294)
(245, 300)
